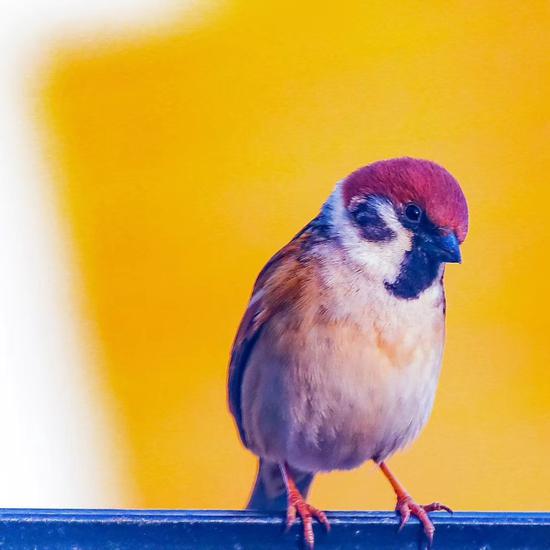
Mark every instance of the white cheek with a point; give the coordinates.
(381, 260)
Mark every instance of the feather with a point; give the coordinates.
(276, 285)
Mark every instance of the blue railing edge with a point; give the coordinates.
(121, 529)
(213, 515)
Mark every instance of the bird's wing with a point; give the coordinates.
(276, 286)
(247, 336)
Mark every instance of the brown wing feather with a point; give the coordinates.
(277, 285)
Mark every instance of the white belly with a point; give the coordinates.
(331, 395)
(365, 409)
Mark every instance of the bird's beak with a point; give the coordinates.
(446, 248)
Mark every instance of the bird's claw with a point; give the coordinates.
(406, 507)
(437, 507)
(299, 507)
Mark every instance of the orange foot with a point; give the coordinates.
(297, 506)
(406, 507)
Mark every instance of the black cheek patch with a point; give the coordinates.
(418, 272)
(373, 227)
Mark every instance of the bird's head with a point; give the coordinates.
(401, 220)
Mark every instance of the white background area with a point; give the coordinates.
(58, 427)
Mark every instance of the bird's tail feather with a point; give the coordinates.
(269, 492)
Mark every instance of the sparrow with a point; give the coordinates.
(338, 355)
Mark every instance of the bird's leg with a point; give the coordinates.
(407, 506)
(298, 506)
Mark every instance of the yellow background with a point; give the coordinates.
(184, 157)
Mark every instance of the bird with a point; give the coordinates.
(337, 357)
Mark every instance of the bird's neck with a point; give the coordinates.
(350, 291)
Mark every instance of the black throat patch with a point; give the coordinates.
(418, 272)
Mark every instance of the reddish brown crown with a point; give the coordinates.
(407, 180)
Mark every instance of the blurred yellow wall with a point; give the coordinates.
(184, 158)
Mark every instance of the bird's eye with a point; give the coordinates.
(413, 213)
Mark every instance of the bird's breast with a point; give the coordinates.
(344, 379)
(370, 389)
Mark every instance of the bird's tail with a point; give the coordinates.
(269, 492)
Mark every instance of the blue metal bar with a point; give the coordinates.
(171, 530)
